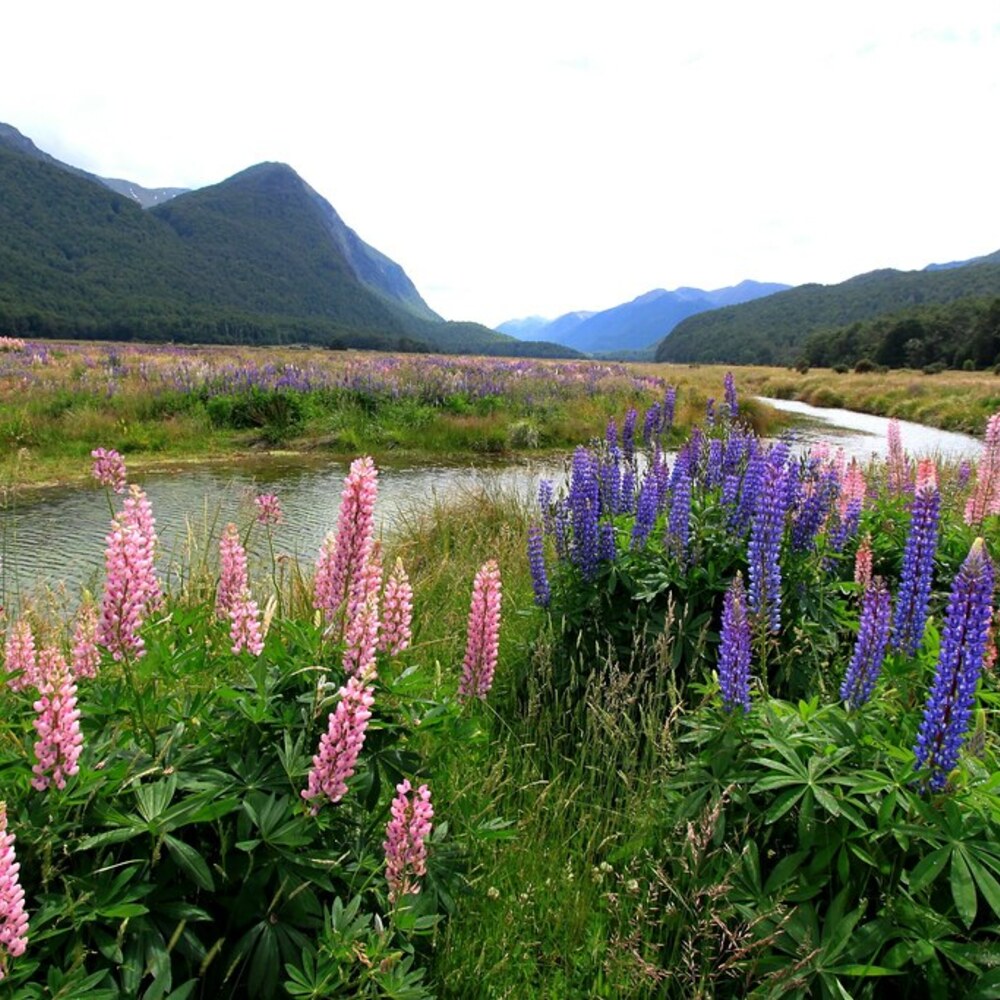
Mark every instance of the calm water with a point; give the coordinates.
(862, 435)
(59, 535)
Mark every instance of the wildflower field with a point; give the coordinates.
(718, 722)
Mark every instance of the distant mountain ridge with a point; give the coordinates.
(775, 329)
(638, 324)
(258, 258)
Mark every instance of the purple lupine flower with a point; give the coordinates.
(814, 509)
(679, 521)
(610, 477)
(918, 569)
(584, 507)
(734, 648)
(611, 434)
(732, 403)
(963, 645)
(766, 530)
(650, 424)
(667, 413)
(536, 561)
(964, 473)
(753, 477)
(626, 495)
(606, 546)
(713, 467)
(871, 645)
(737, 450)
(645, 510)
(628, 434)
(545, 505)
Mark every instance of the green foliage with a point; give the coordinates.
(778, 328)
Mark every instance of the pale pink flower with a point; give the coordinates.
(19, 656)
(863, 563)
(57, 723)
(245, 629)
(397, 612)
(853, 487)
(405, 840)
(985, 498)
(926, 474)
(86, 655)
(109, 469)
(344, 557)
(340, 745)
(268, 509)
(131, 588)
(483, 641)
(233, 579)
(13, 919)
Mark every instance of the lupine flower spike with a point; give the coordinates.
(483, 640)
(871, 645)
(397, 612)
(19, 657)
(340, 745)
(268, 509)
(344, 556)
(57, 723)
(918, 565)
(734, 649)
(863, 562)
(109, 469)
(233, 580)
(13, 919)
(405, 840)
(86, 655)
(963, 643)
(985, 497)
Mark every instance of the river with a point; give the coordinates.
(56, 537)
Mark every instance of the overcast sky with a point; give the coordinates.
(539, 157)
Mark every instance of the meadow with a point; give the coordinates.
(718, 724)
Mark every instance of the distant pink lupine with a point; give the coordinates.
(233, 579)
(926, 474)
(19, 656)
(340, 745)
(57, 723)
(405, 840)
(863, 563)
(109, 469)
(985, 497)
(245, 629)
(853, 487)
(131, 588)
(86, 655)
(483, 641)
(13, 919)
(397, 612)
(897, 466)
(268, 509)
(345, 556)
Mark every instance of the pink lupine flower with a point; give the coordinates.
(926, 474)
(340, 745)
(863, 563)
(985, 497)
(19, 656)
(131, 588)
(233, 579)
(86, 655)
(109, 469)
(245, 630)
(268, 509)
(483, 642)
(896, 463)
(345, 556)
(13, 919)
(361, 640)
(57, 723)
(397, 612)
(853, 487)
(405, 840)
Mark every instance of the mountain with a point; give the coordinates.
(991, 258)
(144, 197)
(773, 330)
(258, 258)
(639, 324)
